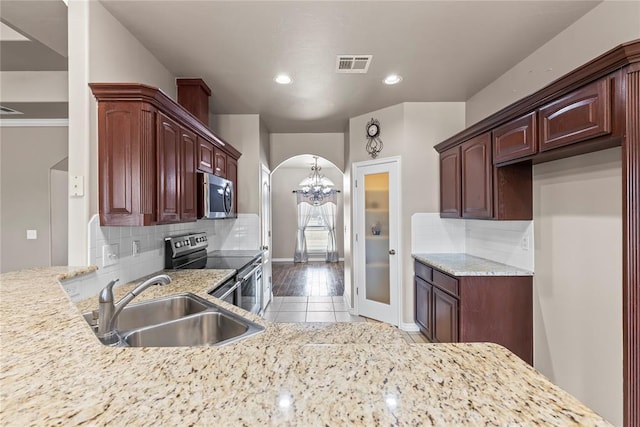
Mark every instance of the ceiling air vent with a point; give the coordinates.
(353, 63)
(7, 110)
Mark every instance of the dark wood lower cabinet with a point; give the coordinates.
(497, 309)
(445, 317)
(424, 312)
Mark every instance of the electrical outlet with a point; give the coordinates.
(110, 254)
(135, 248)
(524, 243)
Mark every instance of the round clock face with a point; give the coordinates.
(372, 130)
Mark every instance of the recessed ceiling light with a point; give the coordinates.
(282, 79)
(392, 79)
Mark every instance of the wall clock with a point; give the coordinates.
(374, 143)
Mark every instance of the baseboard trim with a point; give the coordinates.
(409, 327)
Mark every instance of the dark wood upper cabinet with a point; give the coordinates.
(189, 181)
(149, 152)
(220, 163)
(169, 169)
(127, 163)
(476, 168)
(205, 155)
(450, 201)
(193, 95)
(578, 116)
(515, 139)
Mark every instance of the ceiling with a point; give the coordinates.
(445, 50)
(305, 161)
(33, 37)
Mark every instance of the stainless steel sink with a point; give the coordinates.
(207, 328)
(177, 321)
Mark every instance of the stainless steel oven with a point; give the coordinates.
(244, 289)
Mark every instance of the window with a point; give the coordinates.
(316, 233)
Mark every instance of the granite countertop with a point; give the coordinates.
(460, 264)
(55, 371)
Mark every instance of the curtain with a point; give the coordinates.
(304, 215)
(328, 212)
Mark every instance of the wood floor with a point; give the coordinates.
(308, 279)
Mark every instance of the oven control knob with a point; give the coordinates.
(177, 244)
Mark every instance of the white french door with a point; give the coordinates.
(377, 238)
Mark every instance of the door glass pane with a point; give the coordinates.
(376, 203)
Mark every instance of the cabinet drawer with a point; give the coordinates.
(581, 115)
(515, 139)
(422, 271)
(445, 282)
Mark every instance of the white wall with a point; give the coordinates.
(578, 282)
(601, 29)
(26, 156)
(410, 130)
(101, 49)
(284, 210)
(559, 282)
(329, 146)
(243, 131)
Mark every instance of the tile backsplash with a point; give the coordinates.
(228, 234)
(508, 242)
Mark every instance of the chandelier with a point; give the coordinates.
(316, 186)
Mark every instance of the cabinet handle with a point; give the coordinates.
(392, 251)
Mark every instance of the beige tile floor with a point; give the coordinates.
(320, 309)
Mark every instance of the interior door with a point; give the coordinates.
(266, 235)
(377, 248)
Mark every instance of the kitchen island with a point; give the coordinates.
(55, 371)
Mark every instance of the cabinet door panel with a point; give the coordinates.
(445, 319)
(126, 162)
(477, 190)
(220, 163)
(205, 156)
(188, 181)
(424, 307)
(168, 170)
(450, 183)
(581, 115)
(515, 139)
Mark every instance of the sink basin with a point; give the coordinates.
(207, 328)
(179, 320)
(158, 310)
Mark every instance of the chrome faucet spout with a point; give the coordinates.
(108, 311)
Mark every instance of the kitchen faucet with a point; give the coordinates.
(108, 311)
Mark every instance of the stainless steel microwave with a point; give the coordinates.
(216, 197)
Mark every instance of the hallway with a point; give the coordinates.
(325, 279)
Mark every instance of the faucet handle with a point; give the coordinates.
(106, 294)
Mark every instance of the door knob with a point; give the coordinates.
(392, 251)
(265, 248)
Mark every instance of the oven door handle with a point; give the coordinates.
(230, 291)
(251, 273)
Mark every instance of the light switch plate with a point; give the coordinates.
(110, 254)
(32, 234)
